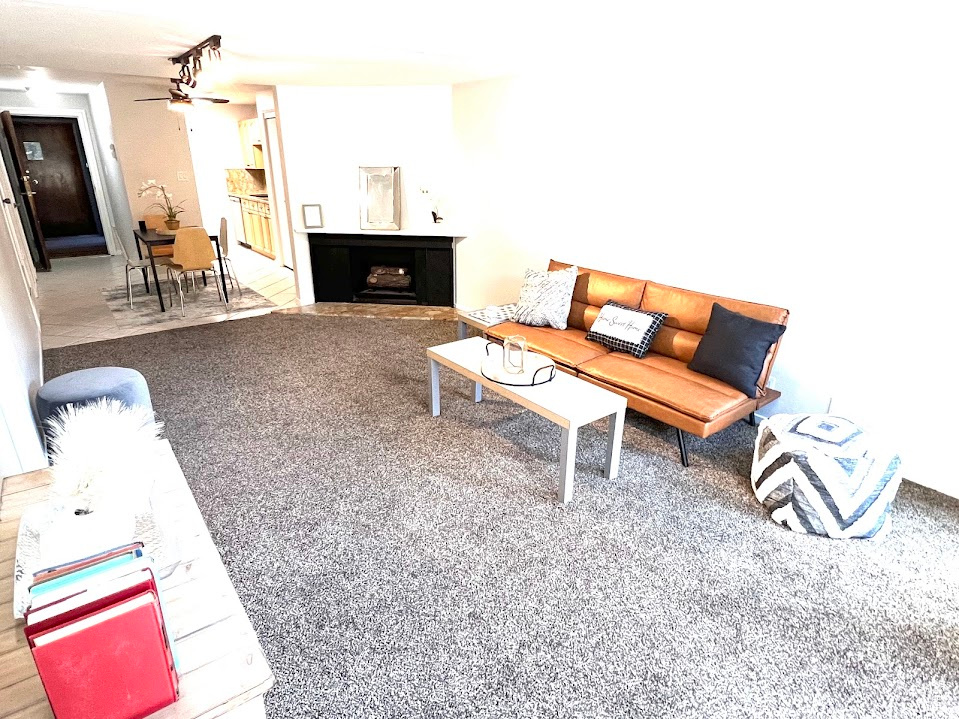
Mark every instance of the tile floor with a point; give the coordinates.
(73, 311)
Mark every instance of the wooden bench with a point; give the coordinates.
(223, 672)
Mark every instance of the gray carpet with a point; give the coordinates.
(397, 565)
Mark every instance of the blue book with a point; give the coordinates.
(84, 574)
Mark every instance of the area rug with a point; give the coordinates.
(204, 302)
(400, 565)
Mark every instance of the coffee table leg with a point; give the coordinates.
(435, 387)
(462, 330)
(614, 443)
(477, 392)
(567, 464)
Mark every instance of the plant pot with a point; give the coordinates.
(172, 224)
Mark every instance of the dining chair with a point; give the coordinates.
(136, 265)
(192, 252)
(227, 262)
(155, 222)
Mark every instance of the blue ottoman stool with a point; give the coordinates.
(88, 385)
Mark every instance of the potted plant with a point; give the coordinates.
(164, 202)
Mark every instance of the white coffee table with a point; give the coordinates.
(567, 401)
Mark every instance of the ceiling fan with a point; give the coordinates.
(178, 97)
(191, 66)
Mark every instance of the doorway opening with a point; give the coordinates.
(66, 205)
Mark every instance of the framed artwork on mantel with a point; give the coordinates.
(312, 216)
(379, 198)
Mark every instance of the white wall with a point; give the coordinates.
(20, 355)
(215, 146)
(328, 133)
(803, 159)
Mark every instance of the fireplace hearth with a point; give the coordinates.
(409, 270)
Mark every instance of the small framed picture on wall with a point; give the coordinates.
(312, 216)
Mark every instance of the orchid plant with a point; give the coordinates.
(164, 199)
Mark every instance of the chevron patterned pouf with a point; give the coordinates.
(820, 474)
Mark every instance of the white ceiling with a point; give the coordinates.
(272, 42)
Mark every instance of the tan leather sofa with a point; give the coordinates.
(660, 385)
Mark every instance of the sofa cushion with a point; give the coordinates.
(594, 289)
(690, 311)
(734, 348)
(667, 381)
(624, 329)
(545, 297)
(569, 347)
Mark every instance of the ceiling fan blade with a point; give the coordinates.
(211, 99)
(151, 99)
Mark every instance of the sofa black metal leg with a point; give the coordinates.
(752, 419)
(682, 447)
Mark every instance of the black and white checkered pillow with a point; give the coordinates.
(624, 329)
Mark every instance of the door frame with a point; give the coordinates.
(274, 166)
(14, 227)
(90, 151)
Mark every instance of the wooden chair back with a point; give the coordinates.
(154, 222)
(192, 249)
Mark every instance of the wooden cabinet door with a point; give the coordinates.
(251, 143)
(256, 134)
(256, 225)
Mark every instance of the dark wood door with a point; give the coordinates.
(65, 202)
(21, 181)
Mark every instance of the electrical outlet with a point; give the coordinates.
(181, 175)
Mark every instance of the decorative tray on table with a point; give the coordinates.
(537, 369)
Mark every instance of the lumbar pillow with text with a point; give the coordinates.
(734, 349)
(624, 329)
(545, 298)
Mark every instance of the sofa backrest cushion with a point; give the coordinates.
(594, 289)
(688, 315)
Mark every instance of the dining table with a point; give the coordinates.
(151, 238)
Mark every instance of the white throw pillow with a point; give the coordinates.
(545, 298)
(624, 329)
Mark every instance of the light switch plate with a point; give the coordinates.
(181, 175)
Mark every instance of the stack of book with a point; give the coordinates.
(98, 637)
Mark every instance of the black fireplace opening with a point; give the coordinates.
(384, 275)
(408, 269)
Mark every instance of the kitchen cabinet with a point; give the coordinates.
(251, 142)
(256, 226)
(235, 223)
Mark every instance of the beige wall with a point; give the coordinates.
(152, 143)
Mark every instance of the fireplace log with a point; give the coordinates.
(392, 281)
(383, 270)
